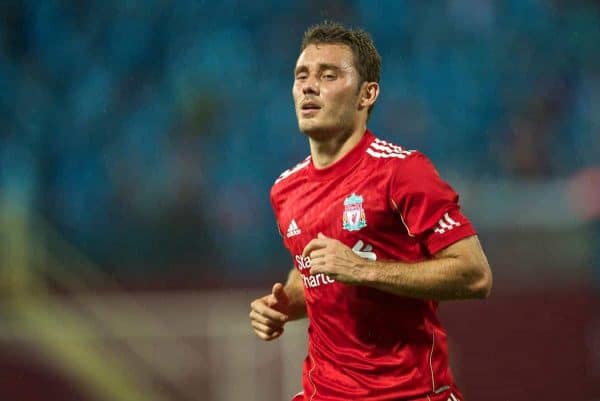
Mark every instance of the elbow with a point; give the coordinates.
(482, 290)
(481, 286)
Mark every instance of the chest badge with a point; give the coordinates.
(354, 214)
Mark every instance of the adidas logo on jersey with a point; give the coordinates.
(446, 223)
(293, 229)
(385, 150)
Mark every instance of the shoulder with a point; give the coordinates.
(292, 170)
(397, 158)
(288, 178)
(284, 186)
(405, 169)
(384, 150)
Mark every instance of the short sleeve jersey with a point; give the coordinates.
(387, 204)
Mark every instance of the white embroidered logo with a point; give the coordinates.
(452, 398)
(293, 229)
(364, 251)
(446, 223)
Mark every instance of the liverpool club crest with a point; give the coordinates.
(354, 214)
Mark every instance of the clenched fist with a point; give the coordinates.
(268, 314)
(336, 260)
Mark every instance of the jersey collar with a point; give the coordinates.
(345, 164)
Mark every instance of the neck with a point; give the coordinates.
(328, 150)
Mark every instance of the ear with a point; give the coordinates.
(368, 94)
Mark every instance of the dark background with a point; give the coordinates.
(139, 140)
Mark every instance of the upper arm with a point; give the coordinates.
(468, 248)
(470, 256)
(428, 206)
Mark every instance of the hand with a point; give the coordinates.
(334, 259)
(269, 313)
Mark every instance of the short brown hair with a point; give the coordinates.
(366, 57)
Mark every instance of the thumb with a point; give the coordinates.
(322, 236)
(279, 293)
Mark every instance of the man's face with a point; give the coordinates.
(325, 89)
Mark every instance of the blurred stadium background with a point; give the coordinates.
(139, 140)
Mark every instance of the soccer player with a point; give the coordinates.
(377, 238)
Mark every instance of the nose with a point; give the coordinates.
(310, 86)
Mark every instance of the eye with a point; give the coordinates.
(329, 76)
(301, 76)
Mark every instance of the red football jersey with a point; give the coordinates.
(386, 203)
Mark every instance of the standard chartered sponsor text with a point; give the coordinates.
(311, 281)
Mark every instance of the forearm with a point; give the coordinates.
(439, 279)
(450, 275)
(295, 292)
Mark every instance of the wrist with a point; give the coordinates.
(367, 272)
(296, 305)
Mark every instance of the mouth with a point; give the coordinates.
(309, 108)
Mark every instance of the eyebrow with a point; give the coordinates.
(320, 67)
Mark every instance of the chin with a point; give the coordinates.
(319, 135)
(312, 128)
(305, 124)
